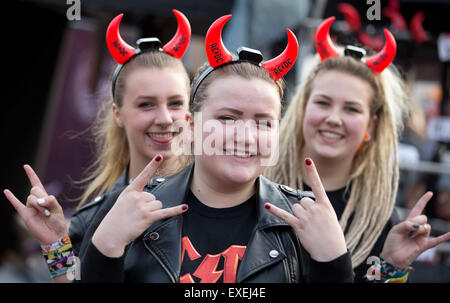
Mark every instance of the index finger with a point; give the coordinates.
(420, 205)
(314, 180)
(34, 179)
(142, 179)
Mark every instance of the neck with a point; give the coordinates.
(334, 173)
(168, 166)
(214, 193)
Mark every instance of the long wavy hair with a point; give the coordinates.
(374, 173)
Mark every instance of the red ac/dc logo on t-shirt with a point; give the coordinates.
(207, 270)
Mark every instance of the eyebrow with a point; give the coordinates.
(240, 113)
(346, 102)
(153, 98)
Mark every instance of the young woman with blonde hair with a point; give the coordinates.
(347, 116)
(150, 93)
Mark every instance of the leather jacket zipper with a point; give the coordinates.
(160, 262)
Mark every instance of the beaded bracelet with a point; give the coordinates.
(59, 256)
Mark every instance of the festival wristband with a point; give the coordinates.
(58, 256)
(387, 273)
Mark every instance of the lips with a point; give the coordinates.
(161, 138)
(330, 135)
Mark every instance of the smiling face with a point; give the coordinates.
(238, 117)
(337, 115)
(152, 101)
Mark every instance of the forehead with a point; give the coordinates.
(152, 81)
(342, 86)
(246, 95)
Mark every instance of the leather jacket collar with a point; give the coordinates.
(168, 233)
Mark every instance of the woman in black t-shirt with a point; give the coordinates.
(220, 210)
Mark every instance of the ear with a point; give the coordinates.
(371, 128)
(116, 113)
(190, 124)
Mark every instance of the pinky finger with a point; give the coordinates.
(14, 201)
(432, 242)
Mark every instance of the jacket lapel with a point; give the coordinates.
(163, 238)
(263, 249)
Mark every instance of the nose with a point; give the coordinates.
(163, 117)
(246, 136)
(333, 118)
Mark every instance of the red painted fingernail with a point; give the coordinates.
(158, 158)
(266, 206)
(308, 161)
(184, 207)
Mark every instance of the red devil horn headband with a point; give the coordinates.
(218, 54)
(377, 62)
(123, 52)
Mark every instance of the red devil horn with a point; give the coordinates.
(180, 41)
(118, 48)
(215, 50)
(416, 28)
(351, 16)
(382, 59)
(324, 45)
(281, 64)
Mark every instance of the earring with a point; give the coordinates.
(366, 137)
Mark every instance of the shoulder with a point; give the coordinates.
(82, 217)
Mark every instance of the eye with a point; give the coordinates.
(176, 103)
(352, 109)
(145, 105)
(322, 103)
(225, 118)
(264, 124)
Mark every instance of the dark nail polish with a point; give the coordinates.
(267, 206)
(415, 226)
(184, 207)
(158, 158)
(410, 234)
(308, 161)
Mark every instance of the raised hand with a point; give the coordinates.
(42, 213)
(407, 240)
(133, 212)
(315, 223)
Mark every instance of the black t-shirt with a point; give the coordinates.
(338, 199)
(214, 240)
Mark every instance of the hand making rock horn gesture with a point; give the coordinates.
(42, 213)
(315, 222)
(134, 211)
(408, 239)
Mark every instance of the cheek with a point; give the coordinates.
(356, 126)
(314, 115)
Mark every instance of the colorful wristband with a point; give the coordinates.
(387, 273)
(59, 256)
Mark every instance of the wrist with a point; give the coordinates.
(111, 247)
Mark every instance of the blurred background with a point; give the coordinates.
(58, 69)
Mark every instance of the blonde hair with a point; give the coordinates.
(374, 173)
(112, 150)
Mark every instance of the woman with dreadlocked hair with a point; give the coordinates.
(347, 116)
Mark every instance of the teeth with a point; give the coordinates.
(331, 135)
(242, 155)
(161, 135)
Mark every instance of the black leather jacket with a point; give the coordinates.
(155, 256)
